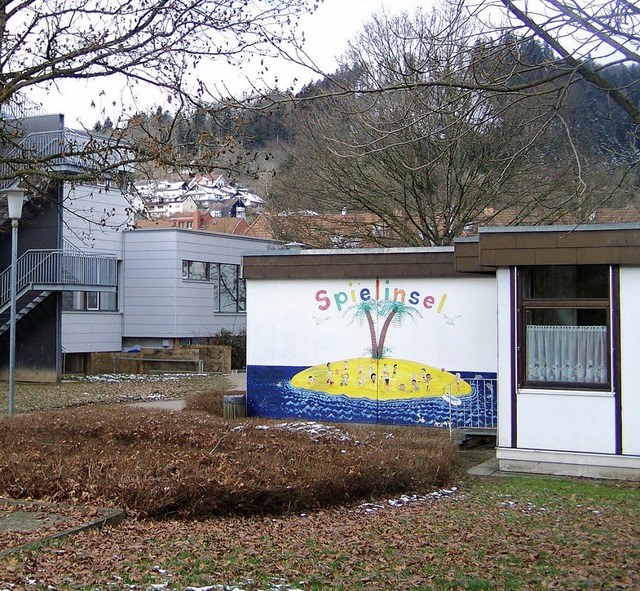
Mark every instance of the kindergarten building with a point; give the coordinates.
(528, 331)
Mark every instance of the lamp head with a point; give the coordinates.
(15, 199)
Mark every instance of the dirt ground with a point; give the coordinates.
(114, 389)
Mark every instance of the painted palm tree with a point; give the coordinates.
(391, 311)
(366, 310)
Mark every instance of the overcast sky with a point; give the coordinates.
(327, 32)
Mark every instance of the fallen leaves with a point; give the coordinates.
(446, 541)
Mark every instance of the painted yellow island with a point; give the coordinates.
(382, 379)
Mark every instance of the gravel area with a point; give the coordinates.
(109, 389)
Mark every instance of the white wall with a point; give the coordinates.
(630, 353)
(569, 421)
(504, 315)
(287, 325)
(566, 422)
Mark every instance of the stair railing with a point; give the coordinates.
(59, 267)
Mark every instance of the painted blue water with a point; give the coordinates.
(270, 394)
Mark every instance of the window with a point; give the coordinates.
(104, 301)
(93, 300)
(229, 289)
(195, 270)
(564, 333)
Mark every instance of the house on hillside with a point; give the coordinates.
(168, 206)
(209, 180)
(208, 193)
(229, 208)
(527, 331)
(197, 220)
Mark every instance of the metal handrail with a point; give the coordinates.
(59, 267)
(64, 147)
(478, 414)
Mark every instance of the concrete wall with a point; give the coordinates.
(211, 358)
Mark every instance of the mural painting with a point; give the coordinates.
(378, 350)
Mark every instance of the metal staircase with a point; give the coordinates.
(41, 272)
(25, 310)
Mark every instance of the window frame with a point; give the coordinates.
(189, 275)
(239, 289)
(81, 301)
(525, 305)
(235, 292)
(92, 300)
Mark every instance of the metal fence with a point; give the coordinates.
(477, 411)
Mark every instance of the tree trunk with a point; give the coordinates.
(383, 334)
(372, 334)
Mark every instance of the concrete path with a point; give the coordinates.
(238, 381)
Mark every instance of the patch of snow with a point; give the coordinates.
(404, 500)
(315, 430)
(133, 377)
(528, 507)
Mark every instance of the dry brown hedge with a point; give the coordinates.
(158, 463)
(210, 401)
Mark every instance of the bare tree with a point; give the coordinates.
(589, 37)
(162, 47)
(432, 161)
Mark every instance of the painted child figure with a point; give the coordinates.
(329, 374)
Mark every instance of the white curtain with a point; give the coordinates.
(567, 354)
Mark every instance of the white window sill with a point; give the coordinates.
(558, 392)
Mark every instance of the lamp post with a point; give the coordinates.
(15, 199)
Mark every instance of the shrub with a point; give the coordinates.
(237, 342)
(156, 463)
(209, 402)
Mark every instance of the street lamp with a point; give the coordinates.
(15, 199)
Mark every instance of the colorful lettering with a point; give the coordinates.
(340, 298)
(321, 296)
(388, 293)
